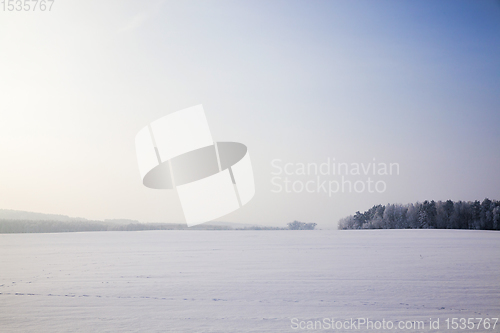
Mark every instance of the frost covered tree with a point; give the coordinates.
(432, 214)
(296, 225)
(412, 216)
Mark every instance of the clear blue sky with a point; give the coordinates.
(411, 82)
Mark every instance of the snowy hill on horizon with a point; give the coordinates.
(11, 214)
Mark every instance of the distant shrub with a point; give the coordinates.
(296, 225)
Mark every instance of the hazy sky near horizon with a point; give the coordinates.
(414, 83)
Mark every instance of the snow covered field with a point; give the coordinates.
(245, 281)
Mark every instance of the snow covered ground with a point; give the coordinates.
(245, 281)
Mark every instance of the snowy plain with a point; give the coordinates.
(245, 281)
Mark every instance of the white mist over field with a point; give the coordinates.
(409, 83)
(244, 281)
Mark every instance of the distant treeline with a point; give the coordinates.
(11, 226)
(428, 215)
(44, 226)
(261, 228)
